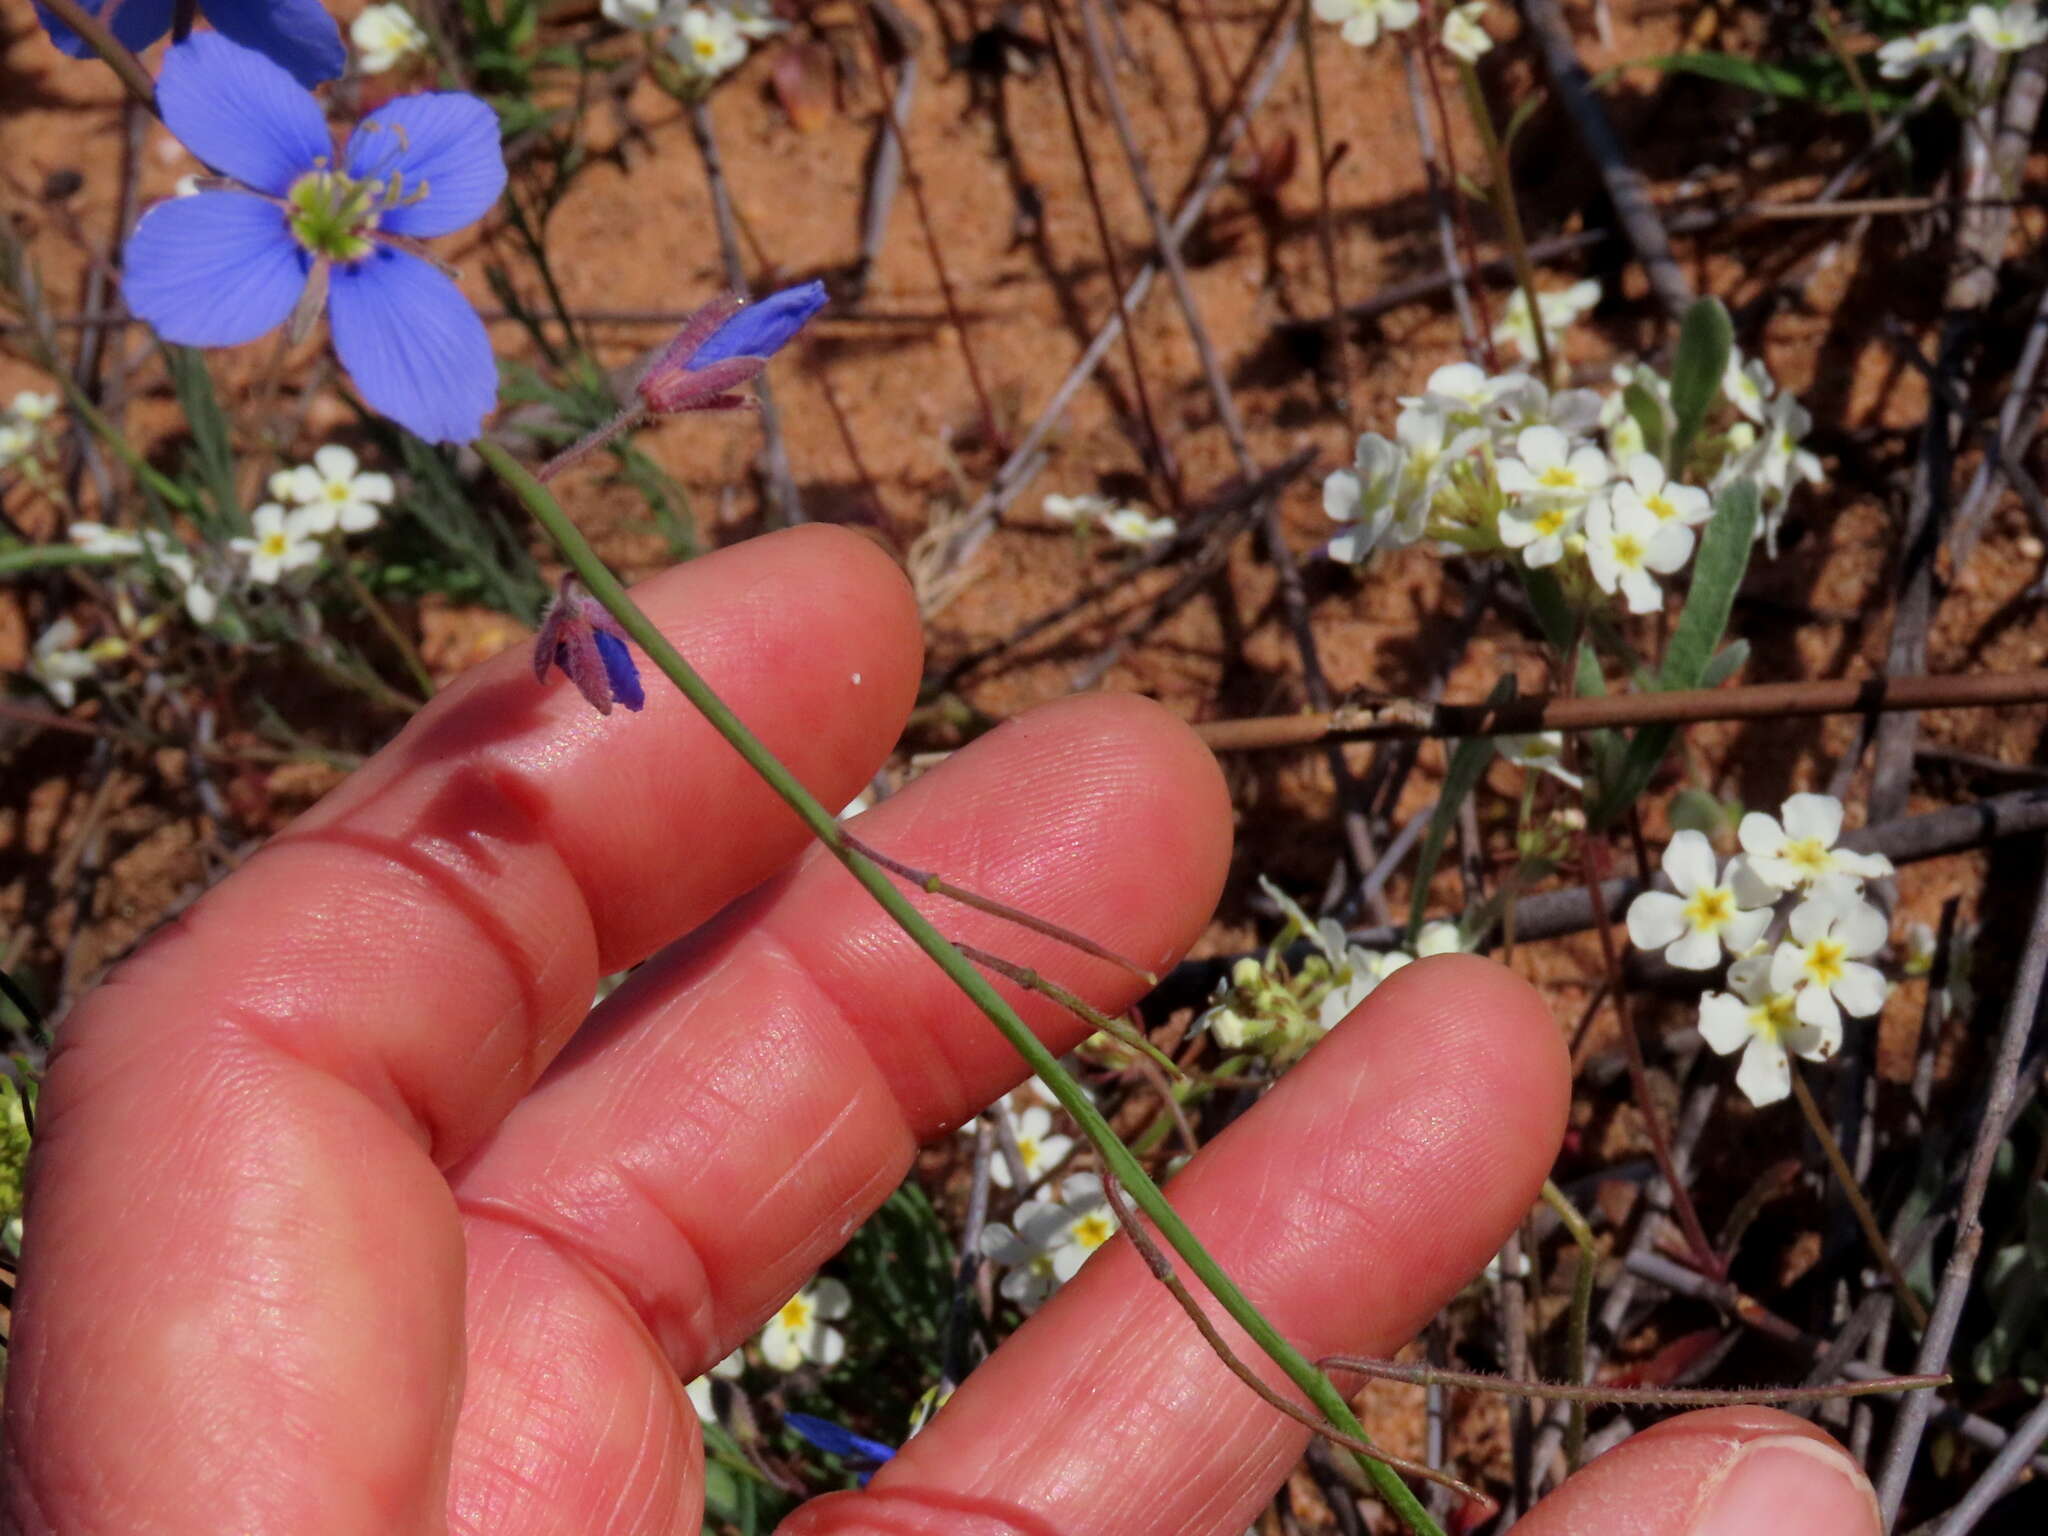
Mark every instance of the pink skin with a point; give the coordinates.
(330, 1233)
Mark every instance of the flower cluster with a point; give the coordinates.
(1046, 1242)
(1786, 998)
(1267, 1006)
(1364, 22)
(22, 427)
(159, 553)
(1562, 479)
(1946, 47)
(705, 40)
(1128, 525)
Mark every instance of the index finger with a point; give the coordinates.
(236, 1204)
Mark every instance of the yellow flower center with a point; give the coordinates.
(1559, 477)
(795, 1314)
(1552, 521)
(1628, 550)
(1027, 1152)
(336, 491)
(275, 545)
(1773, 1017)
(1824, 959)
(1661, 507)
(705, 46)
(1809, 853)
(1709, 910)
(1093, 1230)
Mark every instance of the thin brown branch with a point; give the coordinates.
(1420, 1374)
(1409, 719)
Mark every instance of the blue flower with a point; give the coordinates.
(297, 230)
(837, 1440)
(297, 34)
(763, 328)
(578, 635)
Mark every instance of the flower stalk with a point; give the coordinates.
(1873, 1234)
(1117, 1159)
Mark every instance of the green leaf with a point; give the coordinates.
(1648, 411)
(1728, 661)
(1818, 82)
(1553, 614)
(1705, 342)
(1468, 761)
(1717, 573)
(212, 458)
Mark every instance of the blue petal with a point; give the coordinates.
(446, 147)
(761, 329)
(136, 25)
(296, 34)
(618, 666)
(835, 1440)
(213, 270)
(240, 113)
(413, 345)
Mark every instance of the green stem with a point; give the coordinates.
(1117, 1158)
(1581, 1319)
(386, 624)
(1866, 1218)
(1502, 191)
(43, 557)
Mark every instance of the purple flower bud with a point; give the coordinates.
(580, 637)
(763, 328)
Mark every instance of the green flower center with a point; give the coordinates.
(331, 215)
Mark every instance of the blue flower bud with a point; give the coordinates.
(764, 327)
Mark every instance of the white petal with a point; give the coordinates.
(1724, 1022)
(1741, 931)
(1861, 989)
(831, 1298)
(827, 1345)
(1817, 1007)
(1862, 928)
(1751, 889)
(1067, 1261)
(1761, 837)
(1655, 919)
(1788, 966)
(1750, 978)
(1813, 917)
(1815, 816)
(1689, 861)
(335, 462)
(1765, 1076)
(1697, 951)
(1818, 1042)
(1341, 495)
(779, 1347)
(1005, 1247)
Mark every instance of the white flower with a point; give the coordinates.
(1547, 471)
(1692, 926)
(99, 539)
(1458, 389)
(1625, 544)
(1463, 36)
(801, 1328)
(1039, 1148)
(1784, 461)
(1050, 1241)
(1920, 947)
(639, 15)
(1831, 934)
(1559, 310)
(1799, 853)
(1076, 509)
(332, 493)
(1439, 937)
(1760, 1022)
(16, 439)
(32, 409)
(283, 542)
(1665, 500)
(1748, 386)
(1542, 752)
(1364, 20)
(699, 1391)
(707, 43)
(1366, 496)
(59, 663)
(2010, 29)
(755, 19)
(386, 36)
(1932, 48)
(1135, 527)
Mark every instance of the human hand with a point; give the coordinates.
(335, 1228)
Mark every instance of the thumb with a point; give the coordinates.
(1726, 1472)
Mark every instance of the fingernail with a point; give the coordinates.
(1790, 1483)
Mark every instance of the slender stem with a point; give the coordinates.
(1873, 1234)
(110, 48)
(42, 557)
(1117, 1158)
(591, 441)
(386, 625)
(935, 885)
(1421, 1374)
(1080, 1007)
(1326, 239)
(1162, 1271)
(1581, 1317)
(1502, 191)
